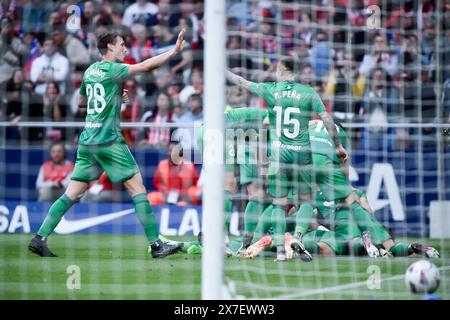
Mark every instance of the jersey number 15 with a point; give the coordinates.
(287, 121)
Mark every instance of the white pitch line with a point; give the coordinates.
(341, 287)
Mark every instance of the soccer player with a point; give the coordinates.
(102, 146)
(290, 107)
(351, 222)
(236, 120)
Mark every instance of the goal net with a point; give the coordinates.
(381, 69)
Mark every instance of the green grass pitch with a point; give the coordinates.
(118, 267)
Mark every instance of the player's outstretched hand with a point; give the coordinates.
(180, 41)
(342, 154)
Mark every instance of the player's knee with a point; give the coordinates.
(255, 189)
(305, 197)
(76, 197)
(280, 201)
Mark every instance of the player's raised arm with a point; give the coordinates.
(154, 62)
(331, 128)
(238, 80)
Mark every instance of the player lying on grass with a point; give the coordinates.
(290, 107)
(366, 220)
(102, 146)
(350, 223)
(334, 185)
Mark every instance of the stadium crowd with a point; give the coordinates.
(378, 75)
(395, 73)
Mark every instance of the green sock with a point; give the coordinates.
(146, 217)
(279, 224)
(54, 215)
(304, 217)
(228, 208)
(400, 250)
(264, 223)
(356, 247)
(251, 214)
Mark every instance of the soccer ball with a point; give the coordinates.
(422, 277)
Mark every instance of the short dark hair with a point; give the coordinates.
(197, 97)
(104, 39)
(290, 63)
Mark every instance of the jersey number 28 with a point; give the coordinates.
(98, 93)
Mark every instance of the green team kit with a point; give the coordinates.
(290, 107)
(101, 144)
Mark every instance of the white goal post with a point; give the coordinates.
(213, 194)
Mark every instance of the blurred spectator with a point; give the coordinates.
(238, 60)
(106, 16)
(36, 14)
(411, 57)
(54, 109)
(239, 13)
(165, 40)
(131, 110)
(379, 57)
(175, 180)
(236, 97)
(88, 17)
(188, 11)
(141, 47)
(403, 17)
(71, 47)
(167, 13)
(158, 81)
(50, 66)
(11, 50)
(139, 12)
(320, 55)
(18, 91)
(345, 87)
(54, 174)
(303, 28)
(308, 76)
(375, 108)
(174, 90)
(194, 116)
(158, 137)
(196, 87)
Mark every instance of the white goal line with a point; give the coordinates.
(341, 287)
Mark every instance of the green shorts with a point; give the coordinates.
(248, 173)
(344, 226)
(115, 159)
(289, 178)
(330, 177)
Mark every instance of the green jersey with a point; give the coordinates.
(325, 207)
(102, 86)
(290, 108)
(322, 142)
(245, 124)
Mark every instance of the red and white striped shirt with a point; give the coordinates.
(159, 135)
